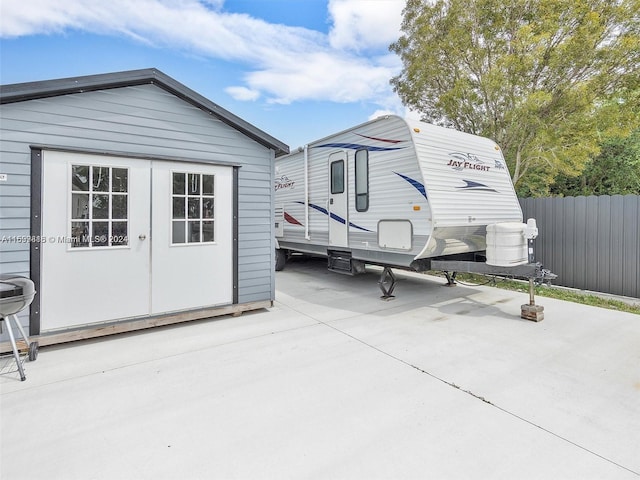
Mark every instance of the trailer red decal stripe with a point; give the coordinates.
(291, 219)
(380, 139)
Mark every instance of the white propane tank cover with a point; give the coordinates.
(531, 231)
(506, 244)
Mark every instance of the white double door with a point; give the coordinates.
(121, 240)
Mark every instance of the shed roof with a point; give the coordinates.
(19, 92)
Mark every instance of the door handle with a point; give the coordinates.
(331, 201)
(142, 236)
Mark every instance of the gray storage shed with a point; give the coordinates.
(132, 201)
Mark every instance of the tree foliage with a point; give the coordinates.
(546, 79)
(615, 171)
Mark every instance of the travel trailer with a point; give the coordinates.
(392, 192)
(397, 193)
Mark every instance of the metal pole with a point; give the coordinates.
(532, 300)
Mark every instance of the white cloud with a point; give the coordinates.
(321, 75)
(242, 93)
(364, 24)
(285, 64)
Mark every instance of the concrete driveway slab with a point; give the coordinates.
(334, 383)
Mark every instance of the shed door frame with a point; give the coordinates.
(37, 208)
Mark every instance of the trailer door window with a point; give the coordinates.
(362, 180)
(337, 177)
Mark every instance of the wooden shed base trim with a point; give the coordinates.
(123, 326)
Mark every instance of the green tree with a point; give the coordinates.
(534, 75)
(615, 171)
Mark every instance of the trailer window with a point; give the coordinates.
(337, 177)
(362, 180)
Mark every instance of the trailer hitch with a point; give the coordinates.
(534, 272)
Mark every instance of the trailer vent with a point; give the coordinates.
(279, 220)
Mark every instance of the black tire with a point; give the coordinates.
(281, 259)
(33, 351)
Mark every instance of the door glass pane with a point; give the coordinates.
(337, 177)
(193, 232)
(100, 234)
(80, 178)
(207, 184)
(119, 235)
(79, 206)
(207, 231)
(79, 234)
(178, 207)
(194, 208)
(177, 235)
(119, 206)
(120, 180)
(194, 184)
(100, 179)
(178, 184)
(100, 206)
(207, 208)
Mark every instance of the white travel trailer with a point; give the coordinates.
(392, 192)
(400, 193)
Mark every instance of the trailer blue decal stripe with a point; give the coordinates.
(358, 146)
(335, 217)
(476, 187)
(416, 184)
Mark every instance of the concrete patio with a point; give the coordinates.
(335, 383)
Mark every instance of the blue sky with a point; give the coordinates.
(297, 69)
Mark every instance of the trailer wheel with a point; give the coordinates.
(281, 258)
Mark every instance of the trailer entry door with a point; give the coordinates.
(338, 205)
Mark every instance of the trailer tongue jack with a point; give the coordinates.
(531, 311)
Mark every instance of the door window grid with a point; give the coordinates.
(192, 206)
(99, 206)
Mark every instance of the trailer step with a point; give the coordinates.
(341, 262)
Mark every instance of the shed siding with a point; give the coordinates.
(137, 120)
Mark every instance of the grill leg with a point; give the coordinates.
(20, 329)
(16, 353)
